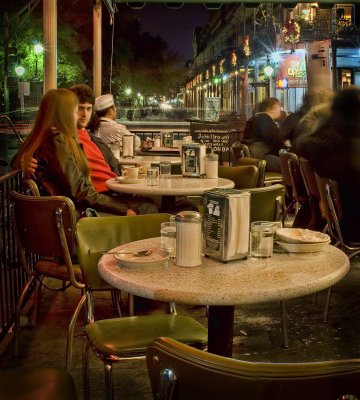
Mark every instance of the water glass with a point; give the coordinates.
(153, 176)
(168, 237)
(165, 169)
(261, 239)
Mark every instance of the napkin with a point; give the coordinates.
(238, 224)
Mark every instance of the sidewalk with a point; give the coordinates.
(257, 335)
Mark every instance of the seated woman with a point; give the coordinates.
(62, 165)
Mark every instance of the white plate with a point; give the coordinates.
(303, 247)
(297, 235)
(128, 180)
(156, 258)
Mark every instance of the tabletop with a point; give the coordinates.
(221, 286)
(149, 158)
(280, 277)
(176, 185)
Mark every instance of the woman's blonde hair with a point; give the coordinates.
(56, 111)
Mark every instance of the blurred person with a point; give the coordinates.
(262, 134)
(108, 129)
(332, 146)
(290, 126)
(62, 167)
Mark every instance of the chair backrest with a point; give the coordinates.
(266, 203)
(309, 178)
(180, 372)
(45, 226)
(244, 176)
(293, 181)
(96, 235)
(239, 150)
(331, 205)
(261, 164)
(30, 187)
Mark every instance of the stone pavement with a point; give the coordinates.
(257, 331)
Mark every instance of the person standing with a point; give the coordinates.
(109, 130)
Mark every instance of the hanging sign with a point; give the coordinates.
(212, 108)
(292, 70)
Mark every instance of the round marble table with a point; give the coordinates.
(221, 286)
(169, 188)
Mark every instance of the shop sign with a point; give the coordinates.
(292, 69)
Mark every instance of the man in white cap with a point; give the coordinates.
(109, 130)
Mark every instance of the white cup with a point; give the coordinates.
(131, 172)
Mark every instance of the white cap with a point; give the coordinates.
(103, 102)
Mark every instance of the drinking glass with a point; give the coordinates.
(153, 176)
(168, 237)
(261, 239)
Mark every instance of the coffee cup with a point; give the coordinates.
(131, 172)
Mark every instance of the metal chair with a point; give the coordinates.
(260, 164)
(113, 340)
(317, 221)
(293, 182)
(36, 383)
(45, 231)
(332, 208)
(179, 372)
(243, 176)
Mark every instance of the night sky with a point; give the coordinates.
(174, 26)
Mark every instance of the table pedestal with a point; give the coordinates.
(220, 328)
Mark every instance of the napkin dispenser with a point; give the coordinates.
(226, 224)
(193, 159)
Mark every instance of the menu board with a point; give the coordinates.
(216, 136)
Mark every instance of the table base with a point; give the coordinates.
(221, 330)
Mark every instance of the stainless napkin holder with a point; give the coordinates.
(193, 159)
(226, 224)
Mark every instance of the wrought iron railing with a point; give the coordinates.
(12, 277)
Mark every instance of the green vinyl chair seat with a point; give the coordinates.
(272, 177)
(132, 335)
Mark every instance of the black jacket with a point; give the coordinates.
(68, 179)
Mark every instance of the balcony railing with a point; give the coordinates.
(12, 277)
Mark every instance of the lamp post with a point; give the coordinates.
(268, 71)
(20, 70)
(130, 112)
(38, 49)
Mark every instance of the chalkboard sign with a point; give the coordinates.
(217, 136)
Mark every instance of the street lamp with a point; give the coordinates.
(268, 71)
(19, 70)
(38, 49)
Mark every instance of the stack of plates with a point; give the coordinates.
(295, 240)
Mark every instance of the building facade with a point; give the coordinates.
(245, 54)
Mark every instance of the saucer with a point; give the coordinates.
(158, 257)
(129, 181)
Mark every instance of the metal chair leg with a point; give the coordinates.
(70, 334)
(17, 315)
(284, 324)
(117, 301)
(130, 304)
(327, 305)
(85, 369)
(109, 387)
(89, 307)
